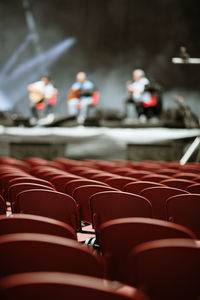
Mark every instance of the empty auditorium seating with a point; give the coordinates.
(145, 218)
(117, 237)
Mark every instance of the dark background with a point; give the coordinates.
(113, 37)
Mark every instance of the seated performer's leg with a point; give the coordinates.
(139, 108)
(127, 102)
(85, 102)
(34, 112)
(72, 106)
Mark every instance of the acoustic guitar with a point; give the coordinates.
(35, 97)
(73, 94)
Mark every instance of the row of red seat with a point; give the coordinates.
(83, 189)
(119, 207)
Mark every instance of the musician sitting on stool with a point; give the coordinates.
(42, 95)
(140, 94)
(81, 95)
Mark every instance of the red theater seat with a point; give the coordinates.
(168, 172)
(158, 196)
(59, 181)
(138, 174)
(166, 269)
(82, 196)
(138, 186)
(17, 188)
(51, 204)
(2, 206)
(185, 175)
(103, 176)
(110, 205)
(73, 184)
(178, 183)
(194, 188)
(155, 177)
(119, 182)
(29, 179)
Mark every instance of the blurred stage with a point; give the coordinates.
(81, 142)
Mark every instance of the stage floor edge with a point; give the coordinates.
(88, 142)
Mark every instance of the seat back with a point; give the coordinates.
(2, 206)
(165, 171)
(185, 175)
(82, 196)
(166, 269)
(16, 188)
(60, 181)
(110, 205)
(138, 174)
(21, 223)
(56, 285)
(29, 179)
(53, 99)
(89, 173)
(32, 252)
(75, 183)
(50, 204)
(102, 177)
(119, 182)
(158, 196)
(117, 237)
(194, 188)
(185, 210)
(178, 183)
(138, 186)
(155, 177)
(4, 180)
